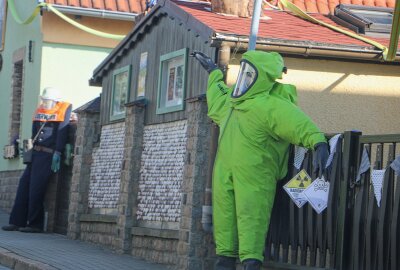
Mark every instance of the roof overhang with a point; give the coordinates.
(98, 13)
(301, 48)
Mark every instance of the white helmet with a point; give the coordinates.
(51, 93)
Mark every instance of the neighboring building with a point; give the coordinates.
(51, 52)
(148, 146)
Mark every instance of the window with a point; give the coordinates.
(120, 92)
(2, 22)
(365, 19)
(171, 83)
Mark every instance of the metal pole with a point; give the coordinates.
(255, 21)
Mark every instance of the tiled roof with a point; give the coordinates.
(328, 6)
(277, 28)
(278, 25)
(132, 6)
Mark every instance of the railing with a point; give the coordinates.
(353, 232)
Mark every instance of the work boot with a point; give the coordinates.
(252, 264)
(225, 263)
(10, 227)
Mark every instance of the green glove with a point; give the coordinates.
(68, 154)
(55, 164)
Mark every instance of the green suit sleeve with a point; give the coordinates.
(288, 122)
(217, 94)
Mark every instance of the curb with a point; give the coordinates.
(18, 262)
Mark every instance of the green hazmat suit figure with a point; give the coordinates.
(258, 119)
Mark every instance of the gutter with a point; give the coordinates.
(300, 49)
(98, 13)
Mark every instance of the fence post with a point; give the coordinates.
(349, 168)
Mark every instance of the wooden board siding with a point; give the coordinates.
(168, 35)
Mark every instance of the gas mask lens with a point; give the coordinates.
(247, 76)
(47, 103)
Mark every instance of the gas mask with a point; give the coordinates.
(246, 78)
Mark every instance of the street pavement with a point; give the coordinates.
(47, 251)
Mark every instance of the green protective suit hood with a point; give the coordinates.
(269, 67)
(256, 129)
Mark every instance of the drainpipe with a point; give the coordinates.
(98, 13)
(224, 54)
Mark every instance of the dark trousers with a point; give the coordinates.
(28, 207)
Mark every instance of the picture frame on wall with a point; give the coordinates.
(120, 92)
(141, 89)
(171, 84)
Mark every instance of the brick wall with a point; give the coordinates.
(98, 233)
(8, 188)
(156, 249)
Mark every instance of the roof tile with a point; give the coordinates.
(110, 5)
(86, 4)
(60, 2)
(98, 4)
(123, 5)
(311, 6)
(74, 3)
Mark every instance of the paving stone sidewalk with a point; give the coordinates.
(46, 251)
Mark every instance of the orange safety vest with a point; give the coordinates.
(55, 114)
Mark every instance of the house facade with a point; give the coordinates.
(147, 146)
(49, 51)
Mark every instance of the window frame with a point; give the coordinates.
(128, 68)
(3, 24)
(163, 79)
(353, 17)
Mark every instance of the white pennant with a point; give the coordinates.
(332, 143)
(396, 165)
(377, 182)
(364, 165)
(299, 154)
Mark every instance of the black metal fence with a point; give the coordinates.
(352, 232)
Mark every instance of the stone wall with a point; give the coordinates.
(105, 172)
(99, 229)
(155, 248)
(161, 172)
(87, 134)
(162, 179)
(8, 188)
(195, 248)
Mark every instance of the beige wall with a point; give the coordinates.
(342, 96)
(71, 35)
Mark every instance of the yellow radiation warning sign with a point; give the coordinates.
(296, 186)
